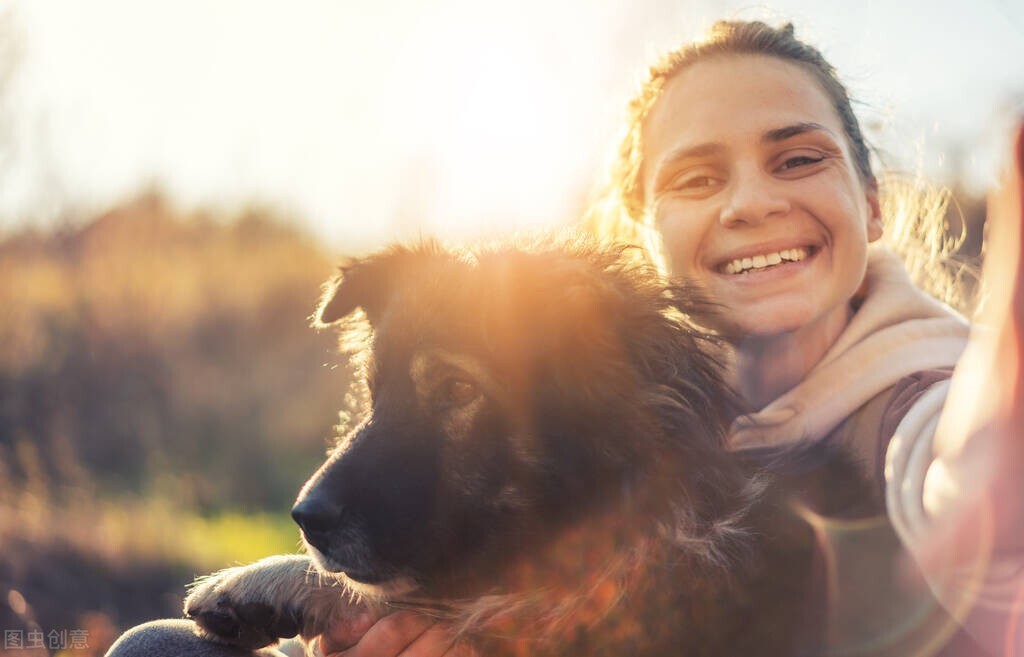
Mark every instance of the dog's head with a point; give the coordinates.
(513, 393)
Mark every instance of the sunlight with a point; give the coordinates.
(374, 125)
(371, 123)
(496, 153)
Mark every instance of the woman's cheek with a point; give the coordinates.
(679, 239)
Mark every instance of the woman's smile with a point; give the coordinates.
(764, 261)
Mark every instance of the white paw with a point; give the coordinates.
(253, 606)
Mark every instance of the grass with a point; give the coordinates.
(81, 561)
(239, 537)
(151, 529)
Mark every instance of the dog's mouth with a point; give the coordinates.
(329, 564)
(363, 580)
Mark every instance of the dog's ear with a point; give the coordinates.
(358, 284)
(370, 282)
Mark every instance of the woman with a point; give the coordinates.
(744, 155)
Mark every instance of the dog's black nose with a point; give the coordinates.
(316, 515)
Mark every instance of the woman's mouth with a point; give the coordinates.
(764, 261)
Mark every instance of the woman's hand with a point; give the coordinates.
(402, 634)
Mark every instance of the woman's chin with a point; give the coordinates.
(757, 326)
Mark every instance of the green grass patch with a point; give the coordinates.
(230, 538)
(149, 529)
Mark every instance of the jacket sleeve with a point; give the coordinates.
(973, 562)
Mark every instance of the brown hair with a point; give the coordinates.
(913, 213)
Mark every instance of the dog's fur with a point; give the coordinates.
(543, 457)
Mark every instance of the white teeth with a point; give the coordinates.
(740, 265)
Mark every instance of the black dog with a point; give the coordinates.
(543, 465)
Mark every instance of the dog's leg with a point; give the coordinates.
(254, 606)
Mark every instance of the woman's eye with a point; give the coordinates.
(702, 181)
(800, 161)
(458, 392)
(694, 183)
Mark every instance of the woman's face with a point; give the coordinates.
(750, 181)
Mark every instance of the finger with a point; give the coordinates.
(437, 641)
(389, 636)
(462, 649)
(346, 632)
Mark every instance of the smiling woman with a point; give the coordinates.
(744, 149)
(745, 167)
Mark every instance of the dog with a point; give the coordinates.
(542, 464)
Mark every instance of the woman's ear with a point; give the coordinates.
(875, 227)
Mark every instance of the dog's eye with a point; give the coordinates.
(458, 392)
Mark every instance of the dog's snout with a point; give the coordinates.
(316, 515)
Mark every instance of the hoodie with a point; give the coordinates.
(895, 355)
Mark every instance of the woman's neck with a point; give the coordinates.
(770, 365)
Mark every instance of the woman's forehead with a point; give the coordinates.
(729, 98)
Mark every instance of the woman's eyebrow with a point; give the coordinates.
(784, 133)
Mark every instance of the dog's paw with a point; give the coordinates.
(251, 606)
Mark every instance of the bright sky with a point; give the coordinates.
(371, 121)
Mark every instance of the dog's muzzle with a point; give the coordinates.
(341, 546)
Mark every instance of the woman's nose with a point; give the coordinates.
(751, 199)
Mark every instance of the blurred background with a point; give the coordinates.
(178, 179)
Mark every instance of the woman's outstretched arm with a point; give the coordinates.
(960, 506)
